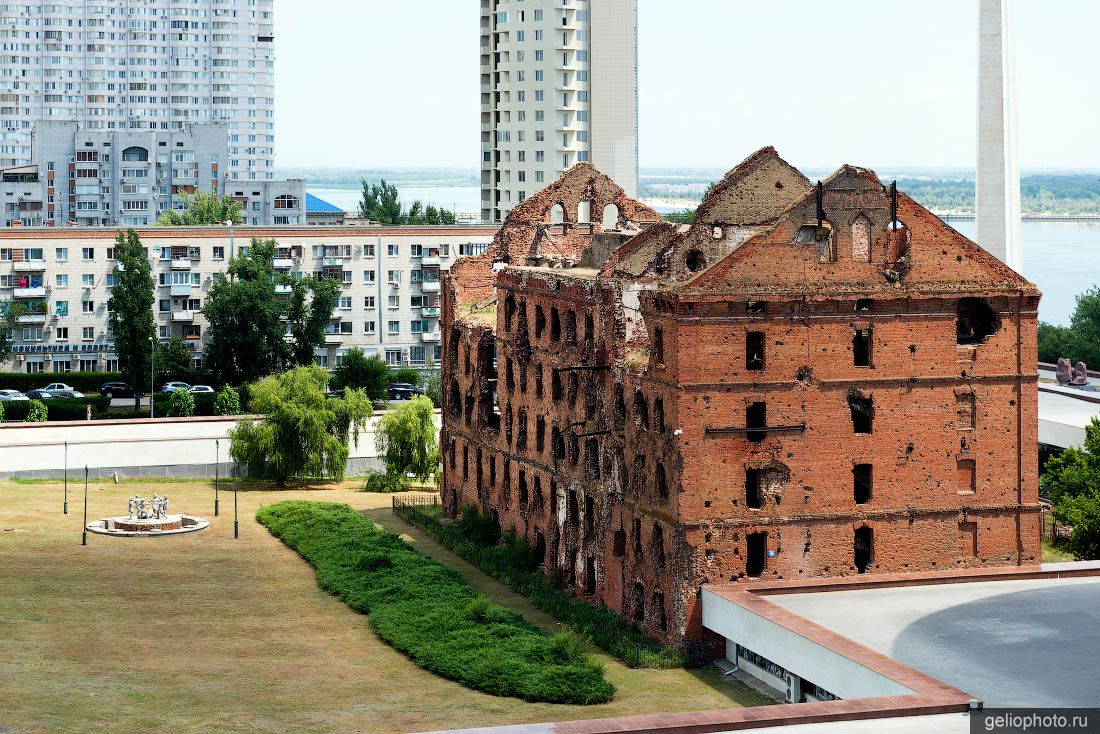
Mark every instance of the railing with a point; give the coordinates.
(418, 509)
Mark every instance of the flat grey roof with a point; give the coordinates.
(1010, 643)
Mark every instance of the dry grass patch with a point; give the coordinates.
(202, 633)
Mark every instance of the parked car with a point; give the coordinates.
(38, 395)
(57, 388)
(116, 390)
(67, 394)
(11, 395)
(334, 393)
(403, 391)
(201, 388)
(171, 387)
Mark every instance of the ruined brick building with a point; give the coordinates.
(808, 381)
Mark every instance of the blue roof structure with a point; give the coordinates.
(313, 204)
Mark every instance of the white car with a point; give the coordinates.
(201, 388)
(9, 395)
(61, 390)
(172, 387)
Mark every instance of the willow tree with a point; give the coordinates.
(406, 440)
(303, 433)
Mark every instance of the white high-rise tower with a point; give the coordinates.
(998, 176)
(559, 85)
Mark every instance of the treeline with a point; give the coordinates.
(1078, 342)
(380, 203)
(1076, 194)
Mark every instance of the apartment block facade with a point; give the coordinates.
(389, 303)
(809, 381)
(559, 86)
(155, 65)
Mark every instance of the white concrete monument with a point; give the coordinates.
(998, 177)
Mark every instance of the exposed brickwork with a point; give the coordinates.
(757, 395)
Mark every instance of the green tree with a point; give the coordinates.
(9, 322)
(369, 374)
(406, 440)
(433, 385)
(246, 332)
(227, 402)
(203, 208)
(303, 432)
(685, 216)
(175, 360)
(1053, 342)
(1073, 481)
(36, 412)
(1084, 329)
(380, 203)
(130, 311)
(407, 374)
(181, 404)
(309, 310)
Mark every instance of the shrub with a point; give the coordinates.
(429, 612)
(36, 412)
(480, 529)
(407, 374)
(227, 402)
(86, 382)
(1, 411)
(386, 483)
(513, 562)
(181, 404)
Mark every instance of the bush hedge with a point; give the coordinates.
(59, 409)
(86, 382)
(429, 613)
(511, 560)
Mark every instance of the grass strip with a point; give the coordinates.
(510, 560)
(428, 612)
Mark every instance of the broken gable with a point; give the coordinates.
(756, 191)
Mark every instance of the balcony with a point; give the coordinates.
(184, 316)
(34, 292)
(29, 266)
(283, 263)
(430, 313)
(34, 318)
(431, 337)
(282, 290)
(181, 263)
(430, 286)
(336, 339)
(430, 262)
(333, 262)
(180, 289)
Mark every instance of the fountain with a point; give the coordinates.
(148, 519)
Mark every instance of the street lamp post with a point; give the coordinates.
(84, 535)
(236, 529)
(152, 372)
(66, 478)
(217, 456)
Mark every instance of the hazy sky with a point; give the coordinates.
(363, 83)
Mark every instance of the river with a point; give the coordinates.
(1056, 254)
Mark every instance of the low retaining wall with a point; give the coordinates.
(158, 448)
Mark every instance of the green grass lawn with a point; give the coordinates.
(204, 633)
(1055, 554)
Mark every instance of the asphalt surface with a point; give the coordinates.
(1010, 643)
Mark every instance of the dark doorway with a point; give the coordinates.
(862, 481)
(864, 548)
(754, 350)
(753, 498)
(756, 416)
(757, 557)
(861, 348)
(540, 548)
(590, 575)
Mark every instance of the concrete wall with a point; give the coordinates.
(163, 447)
(800, 655)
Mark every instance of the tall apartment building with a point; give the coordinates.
(389, 302)
(149, 65)
(559, 86)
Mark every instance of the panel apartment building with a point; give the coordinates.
(150, 65)
(389, 303)
(131, 177)
(809, 381)
(559, 86)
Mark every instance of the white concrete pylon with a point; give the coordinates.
(997, 204)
